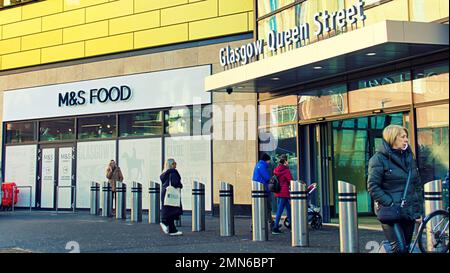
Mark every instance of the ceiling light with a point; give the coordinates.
(371, 54)
(317, 67)
(275, 79)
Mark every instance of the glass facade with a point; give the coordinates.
(278, 111)
(140, 124)
(57, 130)
(323, 102)
(430, 83)
(432, 140)
(20, 132)
(177, 121)
(100, 127)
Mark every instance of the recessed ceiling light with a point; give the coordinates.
(240, 87)
(371, 54)
(275, 79)
(317, 67)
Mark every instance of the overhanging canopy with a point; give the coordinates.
(391, 41)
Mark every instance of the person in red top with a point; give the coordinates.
(284, 201)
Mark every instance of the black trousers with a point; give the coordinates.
(170, 222)
(399, 235)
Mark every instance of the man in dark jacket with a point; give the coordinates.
(261, 175)
(388, 175)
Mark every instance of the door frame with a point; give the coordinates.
(57, 147)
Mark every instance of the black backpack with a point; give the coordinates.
(274, 184)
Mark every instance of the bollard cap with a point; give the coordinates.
(345, 187)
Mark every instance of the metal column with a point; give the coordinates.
(155, 202)
(107, 200)
(198, 206)
(136, 199)
(95, 198)
(121, 200)
(433, 202)
(259, 214)
(348, 218)
(226, 209)
(299, 214)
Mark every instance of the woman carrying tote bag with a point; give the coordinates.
(394, 183)
(171, 188)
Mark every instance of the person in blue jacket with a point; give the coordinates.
(261, 174)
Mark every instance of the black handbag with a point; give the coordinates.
(392, 213)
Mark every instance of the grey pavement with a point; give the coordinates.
(48, 232)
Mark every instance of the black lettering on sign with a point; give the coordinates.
(96, 95)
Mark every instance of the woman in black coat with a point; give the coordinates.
(169, 214)
(388, 174)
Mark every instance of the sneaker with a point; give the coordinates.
(276, 231)
(164, 228)
(178, 233)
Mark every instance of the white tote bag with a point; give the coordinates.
(173, 196)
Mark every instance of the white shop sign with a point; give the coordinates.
(169, 88)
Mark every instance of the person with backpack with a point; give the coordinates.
(284, 177)
(261, 175)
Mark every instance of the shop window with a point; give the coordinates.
(140, 124)
(432, 140)
(20, 132)
(430, 83)
(97, 127)
(178, 121)
(379, 92)
(278, 111)
(281, 140)
(57, 130)
(202, 120)
(323, 102)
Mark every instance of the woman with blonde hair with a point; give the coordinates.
(169, 214)
(394, 183)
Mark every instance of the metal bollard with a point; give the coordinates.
(155, 201)
(107, 200)
(433, 202)
(136, 198)
(121, 200)
(348, 218)
(226, 209)
(95, 198)
(198, 206)
(299, 214)
(259, 214)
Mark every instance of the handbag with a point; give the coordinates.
(393, 213)
(173, 195)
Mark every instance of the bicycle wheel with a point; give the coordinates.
(433, 233)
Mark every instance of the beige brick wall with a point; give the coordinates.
(233, 160)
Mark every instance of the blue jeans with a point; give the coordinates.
(283, 203)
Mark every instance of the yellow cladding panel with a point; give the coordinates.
(109, 44)
(85, 32)
(191, 12)
(22, 28)
(394, 10)
(9, 46)
(161, 36)
(251, 21)
(234, 6)
(21, 59)
(76, 4)
(428, 11)
(110, 10)
(43, 39)
(134, 22)
(236, 23)
(62, 20)
(63, 52)
(10, 15)
(146, 5)
(41, 9)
